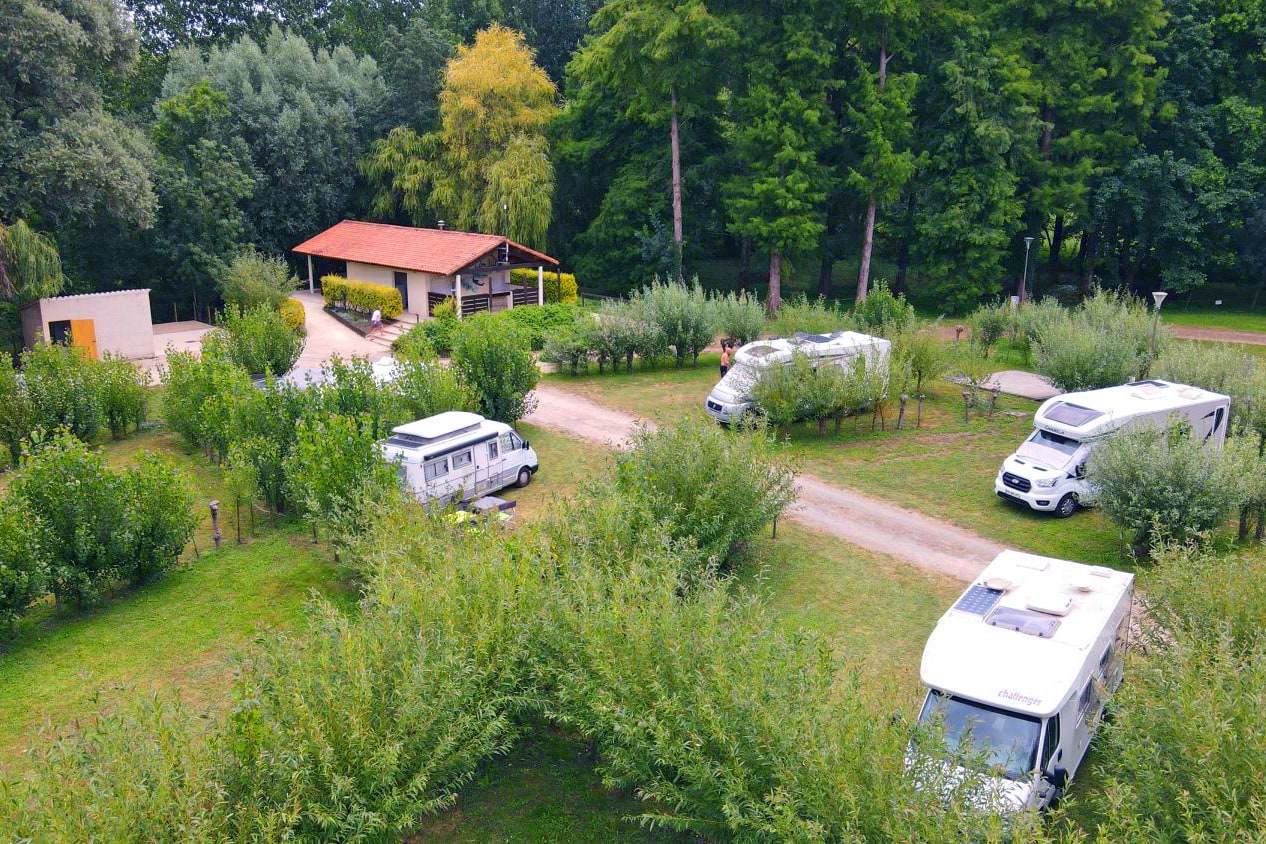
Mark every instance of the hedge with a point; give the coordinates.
(361, 296)
(292, 314)
(560, 288)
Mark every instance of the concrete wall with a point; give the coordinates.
(121, 319)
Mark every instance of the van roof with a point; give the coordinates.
(441, 426)
(1019, 637)
(1095, 412)
(780, 349)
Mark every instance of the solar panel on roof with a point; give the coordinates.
(1074, 415)
(978, 600)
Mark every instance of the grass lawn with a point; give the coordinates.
(566, 463)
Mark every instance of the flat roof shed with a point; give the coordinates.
(117, 322)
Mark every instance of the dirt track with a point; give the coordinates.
(844, 513)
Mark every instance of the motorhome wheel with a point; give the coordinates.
(525, 477)
(1067, 506)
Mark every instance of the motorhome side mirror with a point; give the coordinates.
(1058, 778)
(526, 445)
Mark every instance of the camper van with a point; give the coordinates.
(1019, 668)
(731, 397)
(1048, 471)
(457, 456)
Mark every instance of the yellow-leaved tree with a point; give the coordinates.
(487, 168)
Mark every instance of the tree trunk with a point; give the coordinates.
(903, 254)
(774, 299)
(868, 233)
(1088, 262)
(824, 275)
(676, 155)
(1057, 246)
(745, 263)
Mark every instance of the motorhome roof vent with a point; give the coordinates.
(1050, 604)
(1023, 621)
(1073, 415)
(978, 600)
(1161, 385)
(811, 338)
(761, 351)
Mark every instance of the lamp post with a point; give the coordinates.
(1159, 297)
(1028, 244)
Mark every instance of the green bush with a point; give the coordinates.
(122, 389)
(989, 324)
(426, 388)
(265, 425)
(493, 359)
(293, 314)
(257, 340)
(361, 296)
(413, 344)
(537, 322)
(350, 390)
(1160, 484)
(16, 414)
(441, 329)
(25, 559)
(199, 397)
(560, 288)
(253, 279)
(682, 314)
(568, 346)
(159, 518)
(82, 505)
(61, 390)
(883, 313)
(1105, 342)
(738, 316)
(335, 474)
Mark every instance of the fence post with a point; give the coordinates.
(215, 521)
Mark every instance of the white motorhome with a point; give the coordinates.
(457, 456)
(731, 397)
(1019, 668)
(1048, 471)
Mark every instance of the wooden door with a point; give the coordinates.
(83, 335)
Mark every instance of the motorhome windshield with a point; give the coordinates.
(1066, 445)
(1006, 740)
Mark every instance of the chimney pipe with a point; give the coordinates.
(440, 223)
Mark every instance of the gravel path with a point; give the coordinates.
(1222, 335)
(868, 522)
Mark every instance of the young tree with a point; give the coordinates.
(335, 473)
(258, 340)
(158, 518)
(253, 279)
(25, 560)
(494, 360)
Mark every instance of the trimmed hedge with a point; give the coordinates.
(361, 296)
(560, 288)
(292, 314)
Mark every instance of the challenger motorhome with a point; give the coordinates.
(731, 397)
(457, 456)
(1048, 471)
(1019, 668)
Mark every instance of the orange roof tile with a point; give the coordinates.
(439, 251)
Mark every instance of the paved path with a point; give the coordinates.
(844, 513)
(1018, 382)
(1222, 335)
(328, 337)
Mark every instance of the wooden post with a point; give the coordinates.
(901, 414)
(540, 285)
(918, 420)
(311, 281)
(993, 399)
(510, 287)
(966, 406)
(958, 333)
(215, 522)
(457, 293)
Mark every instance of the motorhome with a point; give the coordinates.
(731, 397)
(457, 456)
(1048, 471)
(1018, 671)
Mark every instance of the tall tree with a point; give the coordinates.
(487, 167)
(661, 56)
(778, 127)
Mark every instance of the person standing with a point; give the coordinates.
(725, 359)
(375, 322)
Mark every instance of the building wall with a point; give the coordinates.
(420, 284)
(121, 320)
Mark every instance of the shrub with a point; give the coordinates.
(159, 517)
(199, 395)
(989, 323)
(537, 322)
(1161, 484)
(928, 357)
(568, 347)
(425, 388)
(739, 316)
(711, 488)
(882, 313)
(812, 316)
(253, 279)
(492, 358)
(15, 410)
(361, 296)
(681, 313)
(83, 506)
(61, 390)
(25, 559)
(413, 344)
(293, 314)
(441, 329)
(1219, 368)
(1105, 342)
(264, 425)
(560, 288)
(122, 388)
(350, 390)
(1034, 318)
(781, 394)
(257, 340)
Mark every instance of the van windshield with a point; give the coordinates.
(1065, 445)
(1006, 740)
(740, 379)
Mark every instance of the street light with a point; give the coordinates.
(1028, 244)
(1159, 297)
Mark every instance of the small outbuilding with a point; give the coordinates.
(117, 322)
(429, 266)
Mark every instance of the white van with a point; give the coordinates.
(1048, 471)
(457, 456)
(731, 397)
(1019, 668)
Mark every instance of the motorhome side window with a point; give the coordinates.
(461, 459)
(1087, 700)
(492, 450)
(436, 469)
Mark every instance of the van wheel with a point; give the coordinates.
(1066, 506)
(525, 477)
